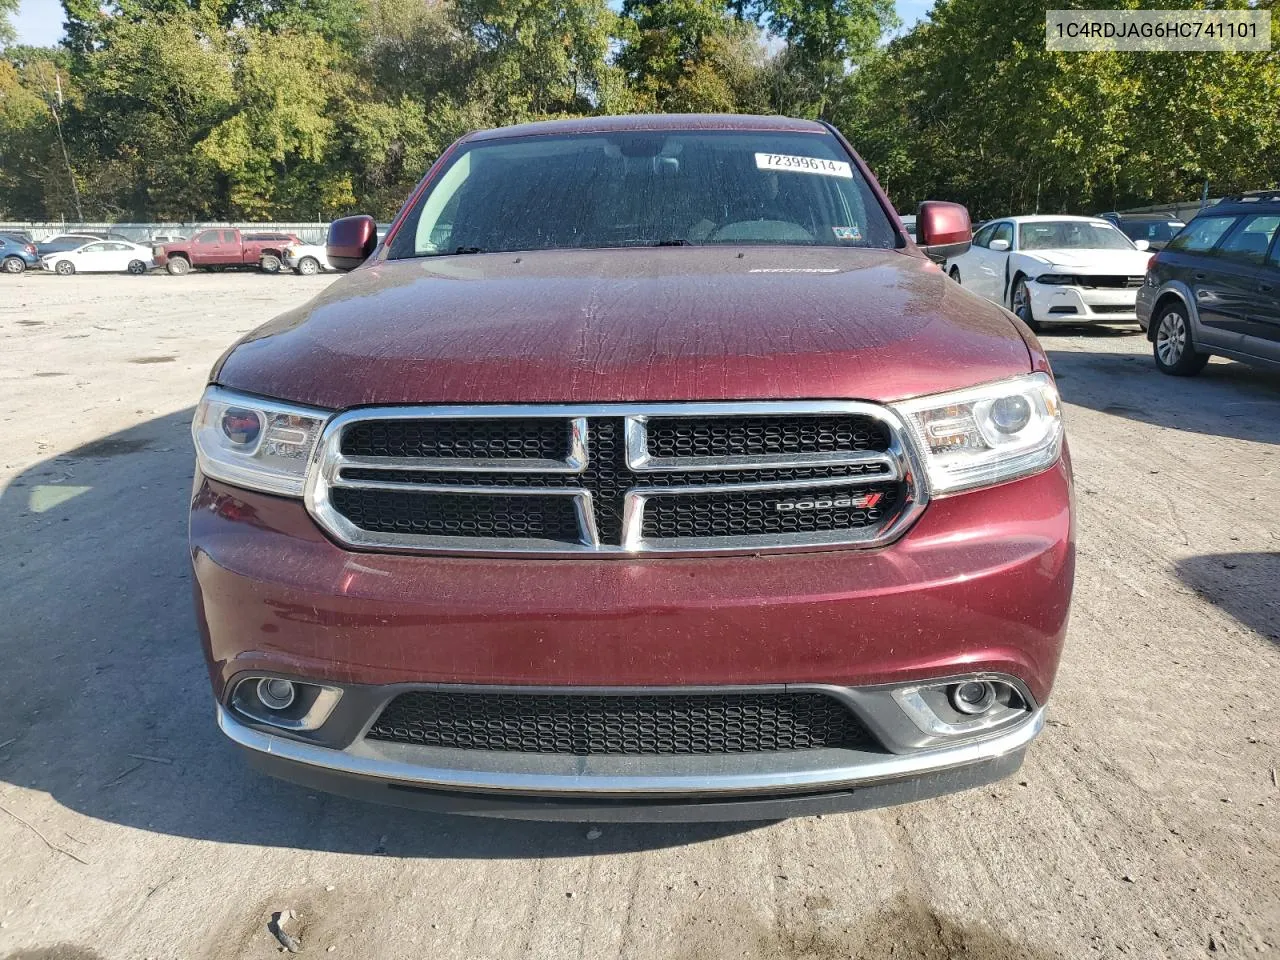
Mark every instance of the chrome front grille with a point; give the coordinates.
(615, 479)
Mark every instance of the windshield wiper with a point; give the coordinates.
(462, 250)
(672, 243)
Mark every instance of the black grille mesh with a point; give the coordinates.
(621, 724)
(755, 513)
(748, 436)
(458, 515)
(527, 438)
(1112, 282)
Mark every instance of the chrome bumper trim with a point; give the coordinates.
(605, 776)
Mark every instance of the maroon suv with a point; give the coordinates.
(646, 469)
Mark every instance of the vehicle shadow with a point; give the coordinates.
(104, 699)
(1227, 399)
(1245, 585)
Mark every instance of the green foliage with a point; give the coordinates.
(970, 106)
(194, 109)
(26, 144)
(823, 38)
(152, 91)
(692, 56)
(7, 9)
(537, 58)
(275, 137)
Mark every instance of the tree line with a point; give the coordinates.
(309, 109)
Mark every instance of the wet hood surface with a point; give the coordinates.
(717, 323)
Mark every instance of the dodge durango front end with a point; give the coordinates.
(646, 469)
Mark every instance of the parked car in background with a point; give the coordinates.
(16, 255)
(306, 259)
(1156, 229)
(909, 225)
(539, 516)
(21, 236)
(162, 238)
(64, 242)
(1215, 289)
(1054, 269)
(223, 248)
(101, 256)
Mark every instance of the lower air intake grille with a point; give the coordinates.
(620, 724)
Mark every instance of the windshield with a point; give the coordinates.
(1071, 235)
(642, 188)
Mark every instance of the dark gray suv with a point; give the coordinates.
(1215, 289)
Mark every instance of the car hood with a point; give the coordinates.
(666, 324)
(1126, 262)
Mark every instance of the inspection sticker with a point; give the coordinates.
(847, 233)
(827, 168)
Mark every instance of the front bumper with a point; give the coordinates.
(1053, 303)
(980, 585)
(621, 788)
(1145, 303)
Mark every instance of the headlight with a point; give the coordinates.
(250, 442)
(988, 434)
(1059, 279)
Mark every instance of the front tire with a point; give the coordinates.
(269, 263)
(14, 265)
(308, 266)
(1173, 348)
(64, 268)
(137, 267)
(178, 266)
(1020, 303)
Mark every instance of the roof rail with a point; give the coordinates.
(1252, 196)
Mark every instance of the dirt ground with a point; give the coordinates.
(1145, 823)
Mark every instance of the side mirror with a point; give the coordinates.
(1142, 244)
(942, 229)
(350, 242)
(998, 245)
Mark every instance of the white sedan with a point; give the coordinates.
(306, 258)
(101, 256)
(1055, 269)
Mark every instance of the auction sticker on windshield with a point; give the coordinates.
(827, 168)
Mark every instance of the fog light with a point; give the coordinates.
(276, 694)
(973, 697)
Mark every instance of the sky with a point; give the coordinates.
(39, 22)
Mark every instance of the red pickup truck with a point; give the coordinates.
(223, 248)
(647, 469)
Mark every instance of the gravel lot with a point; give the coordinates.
(1145, 822)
